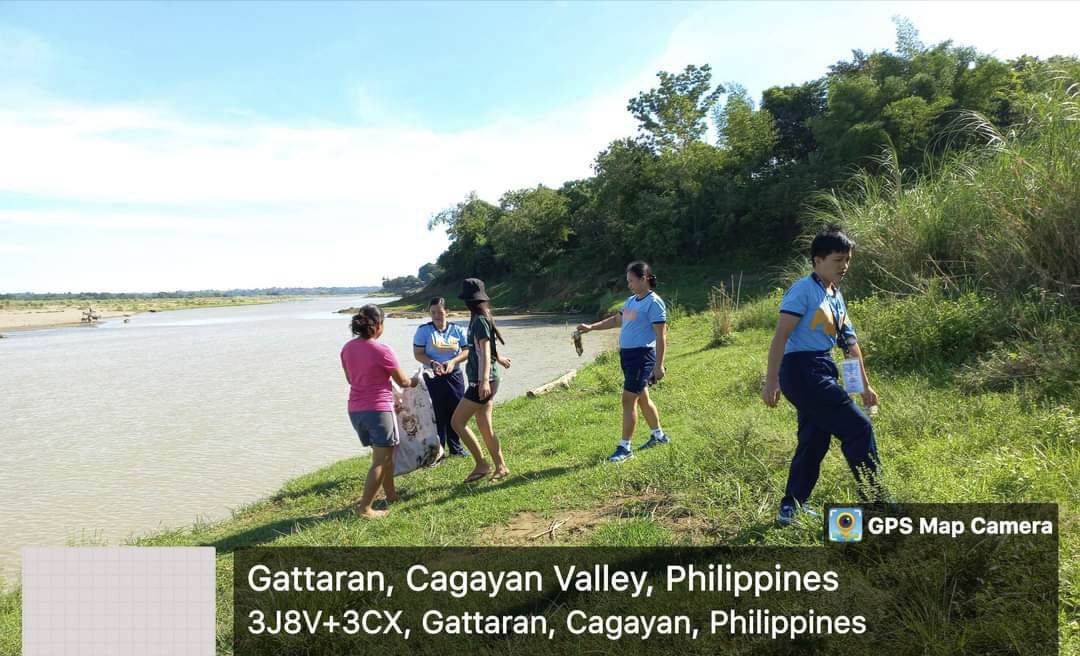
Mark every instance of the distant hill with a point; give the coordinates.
(202, 293)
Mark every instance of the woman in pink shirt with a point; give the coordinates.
(369, 368)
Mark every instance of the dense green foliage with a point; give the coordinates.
(977, 261)
(400, 284)
(668, 196)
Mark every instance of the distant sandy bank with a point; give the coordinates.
(11, 320)
(35, 316)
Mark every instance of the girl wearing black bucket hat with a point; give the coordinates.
(483, 372)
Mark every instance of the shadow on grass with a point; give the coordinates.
(753, 534)
(318, 489)
(269, 532)
(690, 354)
(515, 480)
(274, 530)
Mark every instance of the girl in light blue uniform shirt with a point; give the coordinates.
(642, 343)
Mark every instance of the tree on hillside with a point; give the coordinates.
(533, 229)
(906, 99)
(429, 272)
(468, 225)
(400, 284)
(792, 107)
(625, 177)
(748, 134)
(673, 114)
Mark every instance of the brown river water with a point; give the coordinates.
(118, 430)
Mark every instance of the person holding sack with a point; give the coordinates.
(369, 367)
(437, 344)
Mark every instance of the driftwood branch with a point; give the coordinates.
(563, 382)
(555, 524)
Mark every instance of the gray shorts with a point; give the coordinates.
(375, 427)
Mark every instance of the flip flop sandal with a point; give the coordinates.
(498, 477)
(475, 476)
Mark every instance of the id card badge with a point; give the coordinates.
(852, 375)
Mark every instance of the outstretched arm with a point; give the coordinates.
(611, 322)
(403, 380)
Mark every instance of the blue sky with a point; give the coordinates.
(188, 145)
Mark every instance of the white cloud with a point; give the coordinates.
(119, 221)
(136, 155)
(328, 204)
(16, 249)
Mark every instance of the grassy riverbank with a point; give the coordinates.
(718, 482)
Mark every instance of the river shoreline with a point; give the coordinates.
(71, 315)
(45, 319)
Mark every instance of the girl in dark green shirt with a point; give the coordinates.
(483, 372)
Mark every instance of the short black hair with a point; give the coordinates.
(831, 239)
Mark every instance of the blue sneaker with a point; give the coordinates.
(621, 453)
(787, 514)
(655, 441)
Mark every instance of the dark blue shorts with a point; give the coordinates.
(637, 368)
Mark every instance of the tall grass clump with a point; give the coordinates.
(722, 311)
(760, 313)
(927, 328)
(1004, 216)
(976, 263)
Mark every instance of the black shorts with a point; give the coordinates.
(472, 392)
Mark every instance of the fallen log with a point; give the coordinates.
(562, 382)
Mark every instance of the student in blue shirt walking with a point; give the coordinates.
(441, 345)
(813, 319)
(642, 342)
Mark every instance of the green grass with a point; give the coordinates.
(718, 482)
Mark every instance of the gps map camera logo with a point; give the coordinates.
(845, 525)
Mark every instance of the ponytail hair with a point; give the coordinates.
(483, 308)
(366, 322)
(642, 270)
